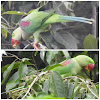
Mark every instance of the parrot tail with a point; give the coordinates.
(79, 19)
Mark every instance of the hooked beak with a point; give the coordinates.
(89, 67)
(14, 43)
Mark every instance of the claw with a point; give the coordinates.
(36, 46)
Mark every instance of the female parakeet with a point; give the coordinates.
(36, 22)
(75, 65)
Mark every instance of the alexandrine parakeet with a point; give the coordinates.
(36, 22)
(75, 65)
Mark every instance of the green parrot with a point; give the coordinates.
(36, 22)
(75, 65)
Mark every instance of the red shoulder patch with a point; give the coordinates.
(65, 63)
(24, 24)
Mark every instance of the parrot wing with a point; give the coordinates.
(69, 67)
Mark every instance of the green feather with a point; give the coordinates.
(39, 21)
(75, 66)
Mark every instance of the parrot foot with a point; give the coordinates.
(36, 45)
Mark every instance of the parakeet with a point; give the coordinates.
(36, 22)
(75, 65)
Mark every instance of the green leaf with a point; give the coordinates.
(50, 55)
(7, 72)
(57, 84)
(16, 65)
(23, 70)
(25, 59)
(14, 12)
(43, 97)
(1, 7)
(20, 70)
(4, 68)
(66, 54)
(4, 32)
(66, 89)
(90, 42)
(84, 53)
(11, 90)
(35, 54)
(46, 86)
(89, 96)
(30, 11)
(75, 86)
(11, 85)
(5, 27)
(53, 66)
(93, 89)
(14, 77)
(42, 55)
(70, 90)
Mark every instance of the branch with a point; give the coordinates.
(14, 56)
(28, 44)
(85, 84)
(5, 20)
(94, 22)
(33, 83)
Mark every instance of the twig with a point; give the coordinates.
(85, 84)
(94, 22)
(5, 20)
(14, 56)
(33, 83)
(28, 44)
(34, 62)
(5, 44)
(20, 95)
(18, 90)
(4, 23)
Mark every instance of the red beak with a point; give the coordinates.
(14, 43)
(89, 67)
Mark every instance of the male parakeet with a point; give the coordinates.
(36, 22)
(75, 65)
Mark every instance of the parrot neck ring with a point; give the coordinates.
(14, 43)
(89, 67)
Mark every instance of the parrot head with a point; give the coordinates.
(89, 67)
(17, 37)
(86, 62)
(90, 64)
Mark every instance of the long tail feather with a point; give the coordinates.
(80, 19)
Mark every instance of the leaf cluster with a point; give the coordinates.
(27, 82)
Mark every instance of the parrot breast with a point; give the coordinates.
(24, 24)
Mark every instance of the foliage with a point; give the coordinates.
(88, 44)
(62, 35)
(27, 82)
